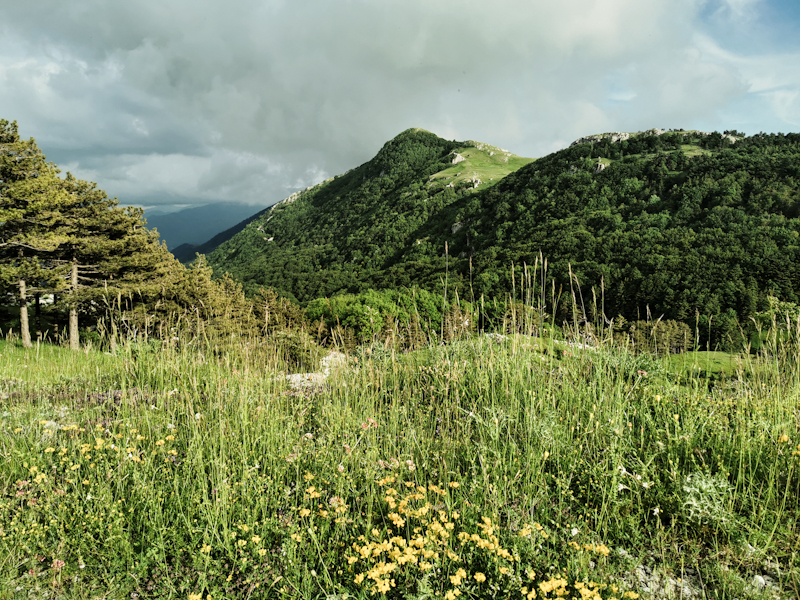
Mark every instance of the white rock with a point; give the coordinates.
(758, 583)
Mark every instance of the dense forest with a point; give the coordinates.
(700, 228)
(348, 233)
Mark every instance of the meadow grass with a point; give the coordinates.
(490, 467)
(489, 168)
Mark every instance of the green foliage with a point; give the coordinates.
(364, 229)
(661, 337)
(65, 236)
(699, 228)
(408, 318)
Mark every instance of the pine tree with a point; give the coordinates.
(65, 235)
(30, 199)
(108, 250)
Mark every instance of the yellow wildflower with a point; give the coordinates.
(479, 577)
(458, 577)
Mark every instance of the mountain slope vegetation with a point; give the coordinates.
(702, 228)
(345, 233)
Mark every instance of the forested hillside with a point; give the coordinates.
(687, 225)
(348, 232)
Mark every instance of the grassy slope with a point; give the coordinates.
(486, 163)
(198, 477)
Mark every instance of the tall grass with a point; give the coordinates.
(496, 465)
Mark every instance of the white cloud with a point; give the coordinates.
(740, 9)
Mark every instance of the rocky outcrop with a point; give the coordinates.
(614, 136)
(332, 363)
(458, 158)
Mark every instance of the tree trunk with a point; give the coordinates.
(74, 340)
(37, 313)
(23, 316)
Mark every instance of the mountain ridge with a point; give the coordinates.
(410, 179)
(701, 228)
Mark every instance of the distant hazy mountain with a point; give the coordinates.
(187, 252)
(198, 224)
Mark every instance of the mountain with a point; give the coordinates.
(702, 228)
(187, 252)
(342, 233)
(198, 224)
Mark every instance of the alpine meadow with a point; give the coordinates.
(450, 372)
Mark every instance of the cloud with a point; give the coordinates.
(175, 100)
(168, 178)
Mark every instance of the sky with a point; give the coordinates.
(172, 103)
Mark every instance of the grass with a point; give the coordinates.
(482, 161)
(705, 363)
(692, 150)
(494, 466)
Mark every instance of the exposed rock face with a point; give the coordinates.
(600, 166)
(614, 136)
(458, 158)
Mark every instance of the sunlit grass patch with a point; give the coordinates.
(491, 466)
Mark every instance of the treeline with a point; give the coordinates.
(683, 227)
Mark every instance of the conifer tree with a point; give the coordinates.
(108, 250)
(30, 201)
(65, 235)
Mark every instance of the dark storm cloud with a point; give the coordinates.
(159, 101)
